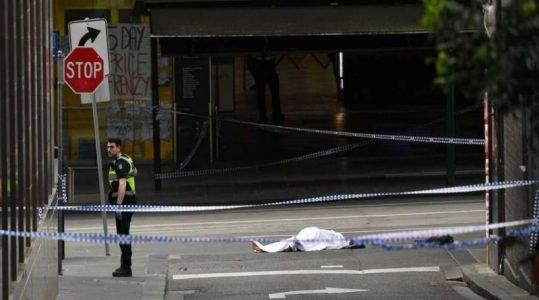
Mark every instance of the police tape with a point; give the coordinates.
(205, 172)
(201, 137)
(394, 237)
(310, 200)
(459, 244)
(534, 236)
(61, 192)
(379, 240)
(389, 137)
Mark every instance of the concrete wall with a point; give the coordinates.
(38, 277)
(519, 164)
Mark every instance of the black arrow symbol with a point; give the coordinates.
(91, 34)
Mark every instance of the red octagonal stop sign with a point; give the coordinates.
(83, 70)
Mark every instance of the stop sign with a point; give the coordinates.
(83, 70)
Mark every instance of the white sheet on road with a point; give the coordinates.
(308, 239)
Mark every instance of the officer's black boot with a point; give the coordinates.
(122, 272)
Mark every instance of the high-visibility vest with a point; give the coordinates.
(130, 176)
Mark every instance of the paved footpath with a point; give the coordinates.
(87, 273)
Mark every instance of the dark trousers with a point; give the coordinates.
(272, 79)
(122, 227)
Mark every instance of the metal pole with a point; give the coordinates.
(59, 94)
(210, 111)
(155, 115)
(217, 131)
(215, 103)
(70, 182)
(175, 136)
(450, 167)
(486, 117)
(496, 199)
(100, 170)
(3, 152)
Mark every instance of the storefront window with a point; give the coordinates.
(125, 108)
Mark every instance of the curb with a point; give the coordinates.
(155, 284)
(485, 282)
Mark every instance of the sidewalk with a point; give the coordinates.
(486, 283)
(90, 278)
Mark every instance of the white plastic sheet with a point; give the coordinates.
(308, 239)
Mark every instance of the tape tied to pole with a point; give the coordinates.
(389, 137)
(309, 200)
(384, 240)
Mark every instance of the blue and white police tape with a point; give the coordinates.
(459, 244)
(320, 199)
(380, 240)
(534, 235)
(162, 109)
(395, 237)
(313, 155)
(389, 137)
(189, 157)
(61, 192)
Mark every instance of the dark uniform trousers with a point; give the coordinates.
(272, 79)
(122, 227)
(264, 73)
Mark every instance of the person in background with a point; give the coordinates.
(263, 69)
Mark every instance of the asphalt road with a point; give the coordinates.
(234, 271)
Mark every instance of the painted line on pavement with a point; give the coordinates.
(305, 272)
(238, 228)
(292, 219)
(332, 267)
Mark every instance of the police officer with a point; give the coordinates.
(122, 172)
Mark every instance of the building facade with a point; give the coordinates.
(27, 163)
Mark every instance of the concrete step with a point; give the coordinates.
(486, 283)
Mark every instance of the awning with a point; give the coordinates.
(285, 21)
(243, 29)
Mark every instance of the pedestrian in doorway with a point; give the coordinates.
(263, 69)
(122, 172)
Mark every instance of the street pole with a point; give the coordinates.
(210, 112)
(486, 119)
(215, 103)
(100, 170)
(59, 94)
(155, 115)
(494, 5)
(450, 120)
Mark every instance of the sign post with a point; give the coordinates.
(85, 68)
(60, 88)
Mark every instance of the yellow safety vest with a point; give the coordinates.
(130, 177)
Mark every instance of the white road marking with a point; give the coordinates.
(337, 205)
(293, 219)
(327, 290)
(332, 267)
(305, 272)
